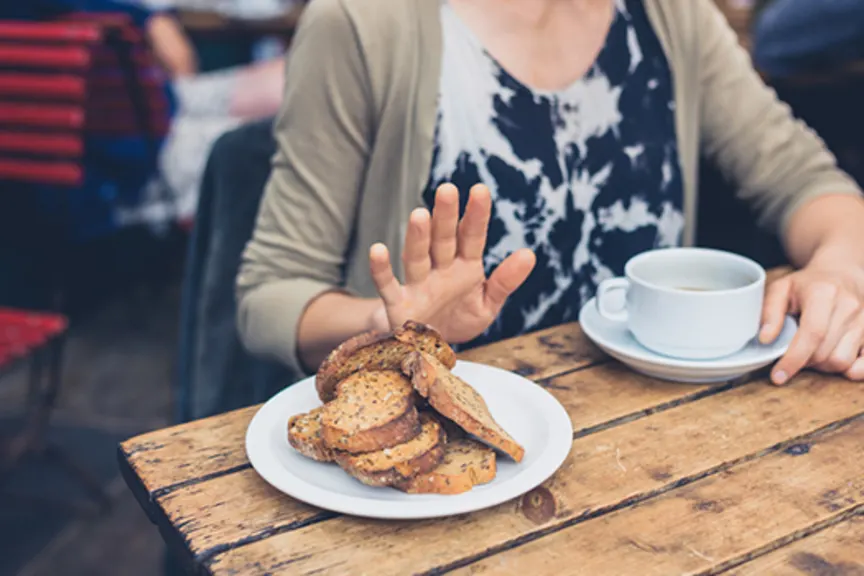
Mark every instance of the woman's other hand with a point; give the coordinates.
(445, 282)
(830, 301)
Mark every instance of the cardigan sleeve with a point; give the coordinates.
(306, 218)
(777, 162)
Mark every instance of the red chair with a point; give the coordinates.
(62, 82)
(39, 338)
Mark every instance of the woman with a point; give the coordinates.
(579, 121)
(208, 104)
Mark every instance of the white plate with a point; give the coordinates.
(616, 340)
(529, 413)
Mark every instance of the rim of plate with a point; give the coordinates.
(427, 506)
(638, 352)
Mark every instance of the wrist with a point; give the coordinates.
(837, 256)
(377, 319)
(835, 260)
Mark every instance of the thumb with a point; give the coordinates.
(774, 310)
(509, 275)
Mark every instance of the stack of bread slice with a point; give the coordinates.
(395, 415)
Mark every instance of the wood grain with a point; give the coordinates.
(717, 520)
(834, 551)
(542, 354)
(605, 470)
(236, 508)
(190, 451)
(208, 447)
(201, 21)
(607, 394)
(232, 508)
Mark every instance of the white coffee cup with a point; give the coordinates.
(690, 303)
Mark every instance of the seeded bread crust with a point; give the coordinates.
(466, 464)
(457, 400)
(426, 339)
(372, 411)
(304, 434)
(453, 431)
(390, 466)
(379, 351)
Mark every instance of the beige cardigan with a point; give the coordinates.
(355, 136)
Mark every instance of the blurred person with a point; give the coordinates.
(206, 105)
(209, 104)
(792, 37)
(551, 140)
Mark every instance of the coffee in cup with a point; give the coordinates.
(689, 303)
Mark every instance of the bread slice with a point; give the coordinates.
(466, 464)
(371, 411)
(453, 431)
(456, 400)
(304, 434)
(386, 467)
(379, 351)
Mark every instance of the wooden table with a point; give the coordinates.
(662, 478)
(215, 24)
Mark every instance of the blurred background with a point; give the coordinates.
(134, 146)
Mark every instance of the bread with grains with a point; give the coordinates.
(455, 399)
(390, 466)
(379, 351)
(304, 434)
(372, 411)
(466, 463)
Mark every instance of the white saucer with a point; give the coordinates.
(616, 340)
(526, 410)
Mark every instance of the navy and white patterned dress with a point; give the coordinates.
(586, 176)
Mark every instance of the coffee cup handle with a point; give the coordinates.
(606, 288)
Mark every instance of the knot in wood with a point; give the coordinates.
(538, 505)
(798, 449)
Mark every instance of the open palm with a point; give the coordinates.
(445, 281)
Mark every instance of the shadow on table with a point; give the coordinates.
(38, 500)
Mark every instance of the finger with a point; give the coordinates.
(445, 219)
(415, 256)
(843, 317)
(856, 371)
(382, 274)
(475, 223)
(509, 275)
(844, 354)
(816, 311)
(774, 310)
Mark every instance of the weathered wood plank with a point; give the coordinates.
(709, 523)
(834, 551)
(601, 396)
(190, 451)
(211, 446)
(212, 516)
(604, 470)
(540, 355)
(221, 512)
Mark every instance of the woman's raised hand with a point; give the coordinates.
(445, 282)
